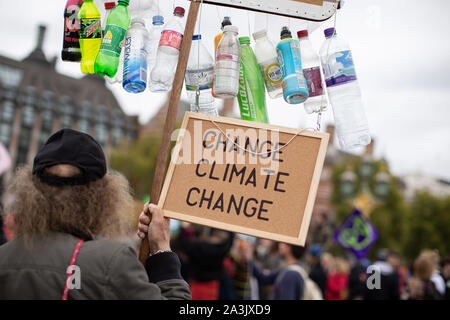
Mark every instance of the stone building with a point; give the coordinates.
(36, 101)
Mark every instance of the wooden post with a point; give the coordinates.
(171, 116)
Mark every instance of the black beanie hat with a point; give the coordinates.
(72, 147)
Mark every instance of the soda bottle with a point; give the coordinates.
(168, 52)
(154, 37)
(343, 92)
(295, 89)
(317, 101)
(71, 44)
(226, 22)
(135, 57)
(266, 55)
(252, 95)
(226, 78)
(117, 24)
(90, 35)
(200, 75)
(109, 5)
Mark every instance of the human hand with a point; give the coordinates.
(153, 224)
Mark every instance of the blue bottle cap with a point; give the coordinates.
(158, 20)
(197, 37)
(329, 32)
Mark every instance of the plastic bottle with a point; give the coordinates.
(153, 42)
(90, 35)
(135, 57)
(71, 44)
(270, 69)
(226, 22)
(343, 92)
(117, 24)
(109, 5)
(252, 95)
(200, 73)
(168, 52)
(295, 89)
(317, 101)
(226, 78)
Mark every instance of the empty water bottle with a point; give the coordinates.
(153, 42)
(168, 52)
(343, 92)
(199, 78)
(226, 81)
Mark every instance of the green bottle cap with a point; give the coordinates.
(244, 40)
(124, 2)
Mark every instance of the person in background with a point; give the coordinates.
(2, 230)
(291, 282)
(206, 254)
(386, 264)
(68, 207)
(446, 275)
(433, 257)
(357, 281)
(317, 273)
(421, 286)
(267, 257)
(337, 281)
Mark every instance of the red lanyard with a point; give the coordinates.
(72, 263)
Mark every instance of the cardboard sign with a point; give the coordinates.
(245, 177)
(314, 10)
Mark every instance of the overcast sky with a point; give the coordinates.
(401, 50)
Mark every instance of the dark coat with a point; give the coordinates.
(108, 270)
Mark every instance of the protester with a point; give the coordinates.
(291, 282)
(206, 256)
(357, 280)
(446, 276)
(421, 285)
(386, 265)
(317, 274)
(267, 257)
(433, 257)
(337, 281)
(66, 210)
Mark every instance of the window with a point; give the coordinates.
(83, 126)
(117, 135)
(101, 133)
(66, 121)
(9, 76)
(8, 111)
(46, 127)
(5, 134)
(24, 144)
(28, 116)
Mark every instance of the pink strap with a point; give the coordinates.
(72, 262)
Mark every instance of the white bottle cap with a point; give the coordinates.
(260, 34)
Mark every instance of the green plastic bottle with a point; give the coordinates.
(252, 93)
(90, 35)
(117, 25)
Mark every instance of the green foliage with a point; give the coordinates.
(137, 163)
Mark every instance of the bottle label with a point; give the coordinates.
(203, 78)
(227, 57)
(314, 81)
(135, 60)
(72, 24)
(90, 29)
(170, 38)
(273, 74)
(112, 40)
(339, 69)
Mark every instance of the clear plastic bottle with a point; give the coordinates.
(317, 101)
(226, 22)
(135, 62)
(343, 92)
(153, 42)
(226, 79)
(200, 72)
(267, 58)
(163, 73)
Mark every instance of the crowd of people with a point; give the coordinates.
(221, 265)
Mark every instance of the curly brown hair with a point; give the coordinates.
(100, 208)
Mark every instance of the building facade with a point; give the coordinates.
(36, 101)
